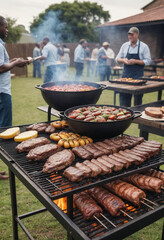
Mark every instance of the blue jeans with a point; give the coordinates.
(50, 74)
(37, 69)
(104, 71)
(5, 110)
(125, 99)
(79, 70)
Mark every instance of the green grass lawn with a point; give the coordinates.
(26, 98)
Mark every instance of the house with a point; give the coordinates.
(150, 23)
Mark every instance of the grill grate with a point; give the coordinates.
(93, 229)
(54, 184)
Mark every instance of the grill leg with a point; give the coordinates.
(49, 113)
(70, 214)
(14, 205)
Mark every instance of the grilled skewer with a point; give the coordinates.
(126, 191)
(113, 204)
(88, 207)
(145, 182)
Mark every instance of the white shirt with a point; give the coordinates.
(144, 52)
(50, 52)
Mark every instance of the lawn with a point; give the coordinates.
(26, 99)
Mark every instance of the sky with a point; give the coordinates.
(24, 11)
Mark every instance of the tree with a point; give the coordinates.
(14, 33)
(69, 22)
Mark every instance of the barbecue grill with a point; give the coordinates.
(49, 187)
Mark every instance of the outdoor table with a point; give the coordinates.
(116, 72)
(147, 126)
(136, 90)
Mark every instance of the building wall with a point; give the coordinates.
(151, 35)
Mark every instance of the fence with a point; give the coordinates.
(25, 50)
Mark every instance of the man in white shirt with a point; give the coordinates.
(49, 54)
(134, 54)
(79, 57)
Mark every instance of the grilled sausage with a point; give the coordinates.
(87, 205)
(109, 201)
(145, 182)
(126, 191)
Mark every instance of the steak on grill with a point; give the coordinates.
(39, 127)
(59, 161)
(73, 174)
(27, 145)
(43, 152)
(82, 152)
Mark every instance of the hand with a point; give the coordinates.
(132, 61)
(126, 61)
(21, 62)
(12, 60)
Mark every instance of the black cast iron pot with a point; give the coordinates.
(61, 101)
(100, 129)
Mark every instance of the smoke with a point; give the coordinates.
(50, 27)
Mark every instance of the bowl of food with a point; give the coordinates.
(100, 121)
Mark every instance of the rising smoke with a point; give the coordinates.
(50, 27)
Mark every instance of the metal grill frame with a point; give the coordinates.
(73, 231)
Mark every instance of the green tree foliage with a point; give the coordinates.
(14, 33)
(76, 20)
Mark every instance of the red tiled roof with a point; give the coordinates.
(155, 14)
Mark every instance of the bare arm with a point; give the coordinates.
(16, 62)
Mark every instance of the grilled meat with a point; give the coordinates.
(121, 160)
(31, 143)
(87, 205)
(50, 129)
(96, 152)
(82, 153)
(59, 161)
(43, 152)
(109, 201)
(104, 169)
(102, 160)
(74, 174)
(155, 173)
(39, 127)
(126, 191)
(104, 150)
(117, 165)
(137, 160)
(95, 169)
(105, 146)
(145, 182)
(82, 167)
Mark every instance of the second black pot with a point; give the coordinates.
(61, 101)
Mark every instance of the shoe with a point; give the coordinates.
(2, 172)
(3, 177)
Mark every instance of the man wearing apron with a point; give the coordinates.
(134, 55)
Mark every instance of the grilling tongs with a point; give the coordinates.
(30, 59)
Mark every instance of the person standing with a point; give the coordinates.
(66, 56)
(134, 54)
(88, 55)
(5, 81)
(79, 57)
(49, 55)
(110, 61)
(104, 68)
(37, 64)
(94, 56)
(5, 76)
